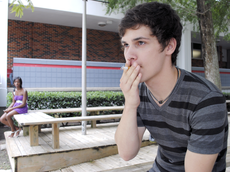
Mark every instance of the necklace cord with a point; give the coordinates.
(162, 101)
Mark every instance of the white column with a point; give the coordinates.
(184, 60)
(3, 51)
(83, 76)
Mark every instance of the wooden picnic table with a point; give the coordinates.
(34, 119)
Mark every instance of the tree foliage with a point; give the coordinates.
(18, 7)
(186, 9)
(214, 14)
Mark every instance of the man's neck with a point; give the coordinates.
(162, 85)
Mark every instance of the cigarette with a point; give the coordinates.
(124, 68)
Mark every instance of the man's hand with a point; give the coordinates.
(129, 85)
(128, 136)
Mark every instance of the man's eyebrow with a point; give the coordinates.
(123, 42)
(135, 39)
(138, 38)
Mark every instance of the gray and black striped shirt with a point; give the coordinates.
(194, 117)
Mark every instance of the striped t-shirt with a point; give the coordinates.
(194, 117)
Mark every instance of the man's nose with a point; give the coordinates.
(131, 53)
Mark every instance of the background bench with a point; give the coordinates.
(34, 118)
(93, 110)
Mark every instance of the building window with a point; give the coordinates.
(196, 51)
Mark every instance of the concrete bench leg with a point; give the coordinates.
(33, 133)
(55, 135)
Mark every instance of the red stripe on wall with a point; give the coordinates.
(9, 71)
(63, 66)
(198, 71)
(102, 67)
(88, 67)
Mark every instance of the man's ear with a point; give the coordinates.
(171, 46)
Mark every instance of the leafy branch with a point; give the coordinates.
(18, 7)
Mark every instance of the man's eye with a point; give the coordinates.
(125, 45)
(141, 42)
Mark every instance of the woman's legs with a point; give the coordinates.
(4, 120)
(10, 121)
(18, 132)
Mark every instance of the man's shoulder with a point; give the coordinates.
(193, 80)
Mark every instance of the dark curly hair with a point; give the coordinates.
(20, 80)
(162, 20)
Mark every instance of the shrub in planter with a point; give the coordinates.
(62, 100)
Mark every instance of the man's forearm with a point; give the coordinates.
(127, 135)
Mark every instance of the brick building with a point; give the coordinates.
(53, 32)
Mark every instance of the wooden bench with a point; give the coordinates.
(32, 116)
(34, 119)
(93, 110)
(88, 109)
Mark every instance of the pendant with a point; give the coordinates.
(161, 101)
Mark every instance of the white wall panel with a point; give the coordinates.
(3, 51)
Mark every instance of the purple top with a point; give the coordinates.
(22, 109)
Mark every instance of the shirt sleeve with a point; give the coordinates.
(209, 125)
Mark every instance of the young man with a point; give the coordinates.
(185, 113)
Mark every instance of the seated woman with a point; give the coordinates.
(18, 106)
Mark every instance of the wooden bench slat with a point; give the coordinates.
(88, 109)
(36, 117)
(43, 115)
(22, 117)
(27, 117)
(40, 116)
(33, 116)
(71, 119)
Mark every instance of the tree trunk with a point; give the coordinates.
(208, 41)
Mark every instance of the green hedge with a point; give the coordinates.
(61, 100)
(227, 95)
